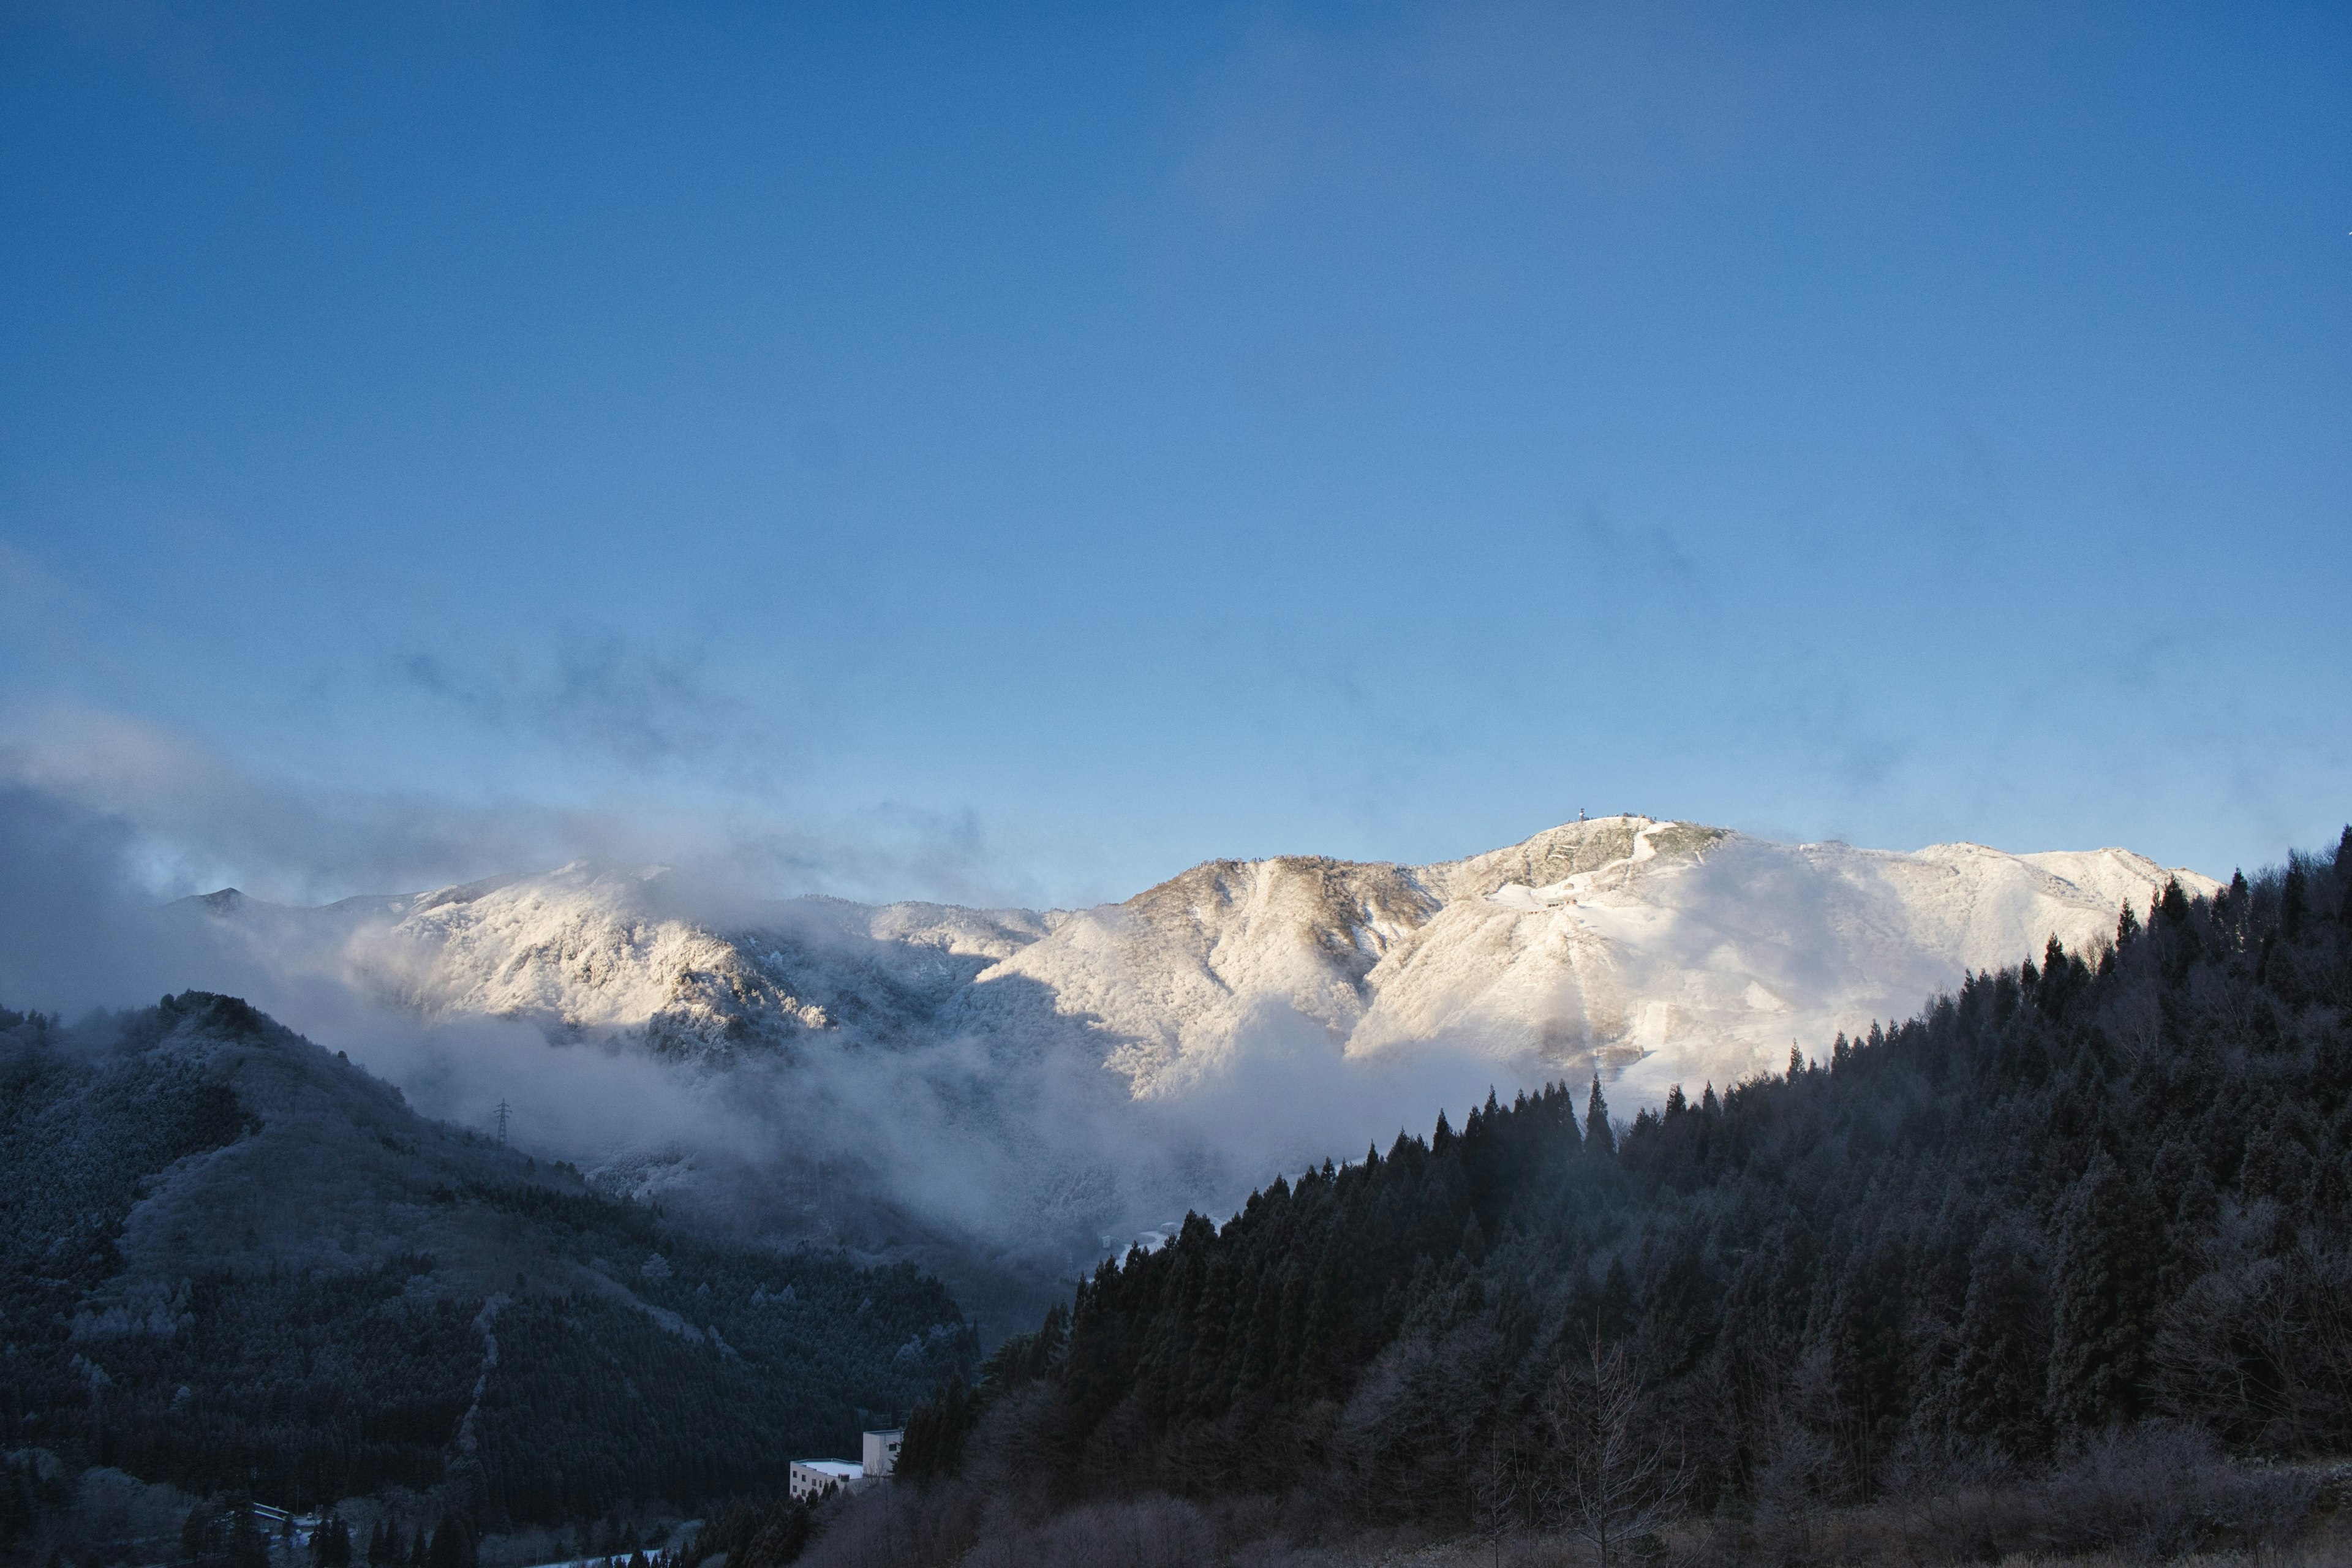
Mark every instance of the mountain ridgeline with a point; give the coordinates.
(2095, 1188)
(1002, 1096)
(233, 1262)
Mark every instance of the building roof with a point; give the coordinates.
(840, 1470)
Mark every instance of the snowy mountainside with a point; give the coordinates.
(590, 950)
(1665, 950)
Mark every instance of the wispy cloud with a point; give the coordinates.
(185, 818)
(599, 693)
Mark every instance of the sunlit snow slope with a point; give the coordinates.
(1653, 951)
(1660, 951)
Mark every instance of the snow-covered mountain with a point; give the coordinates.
(1663, 948)
(1058, 1079)
(1623, 943)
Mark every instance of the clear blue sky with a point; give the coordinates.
(1018, 453)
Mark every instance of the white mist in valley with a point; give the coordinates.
(1007, 1095)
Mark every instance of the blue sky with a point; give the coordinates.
(1014, 454)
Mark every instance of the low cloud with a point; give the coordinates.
(1006, 1158)
(1003, 1154)
(948, 1149)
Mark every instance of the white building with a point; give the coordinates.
(882, 1453)
(812, 1477)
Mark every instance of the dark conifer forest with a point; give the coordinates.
(2096, 1193)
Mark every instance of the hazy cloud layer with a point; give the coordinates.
(608, 696)
(186, 819)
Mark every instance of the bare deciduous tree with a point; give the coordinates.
(1499, 1490)
(1612, 1481)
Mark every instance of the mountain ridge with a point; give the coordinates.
(589, 947)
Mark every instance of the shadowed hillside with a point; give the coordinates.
(233, 1261)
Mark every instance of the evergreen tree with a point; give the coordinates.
(932, 1447)
(1598, 1138)
(1998, 1369)
(2104, 1299)
(248, 1547)
(194, 1533)
(452, 1545)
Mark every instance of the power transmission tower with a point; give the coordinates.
(502, 1123)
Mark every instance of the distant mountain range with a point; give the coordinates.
(1659, 950)
(1045, 1085)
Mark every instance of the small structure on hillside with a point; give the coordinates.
(812, 1479)
(882, 1452)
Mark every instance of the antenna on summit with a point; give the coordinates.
(502, 1123)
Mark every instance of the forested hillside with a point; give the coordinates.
(233, 1262)
(2091, 1189)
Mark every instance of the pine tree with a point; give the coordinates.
(452, 1545)
(248, 1547)
(2103, 1295)
(18, 1510)
(1999, 1370)
(932, 1447)
(1598, 1138)
(193, 1532)
(2343, 876)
